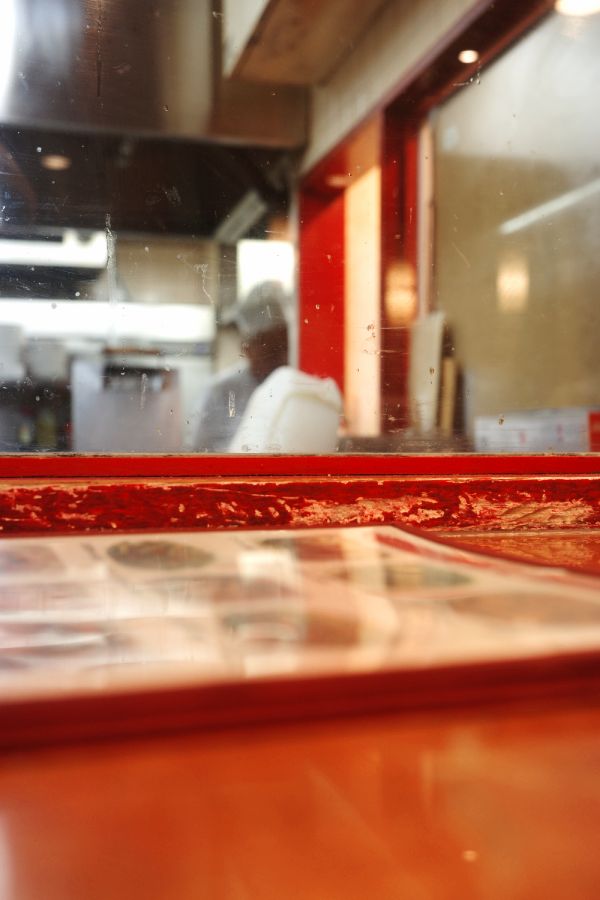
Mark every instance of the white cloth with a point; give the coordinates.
(224, 406)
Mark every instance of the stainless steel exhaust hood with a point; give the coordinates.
(142, 67)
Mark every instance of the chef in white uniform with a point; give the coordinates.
(264, 332)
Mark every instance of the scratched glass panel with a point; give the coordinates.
(517, 176)
(172, 281)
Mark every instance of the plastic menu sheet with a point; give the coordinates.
(89, 615)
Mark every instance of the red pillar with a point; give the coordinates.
(321, 280)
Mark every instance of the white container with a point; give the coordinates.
(11, 345)
(290, 412)
(47, 360)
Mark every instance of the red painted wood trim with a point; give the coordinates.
(484, 503)
(201, 466)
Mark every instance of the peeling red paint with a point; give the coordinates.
(430, 502)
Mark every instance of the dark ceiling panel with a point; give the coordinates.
(143, 185)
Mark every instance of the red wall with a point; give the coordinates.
(321, 308)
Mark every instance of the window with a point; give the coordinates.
(213, 242)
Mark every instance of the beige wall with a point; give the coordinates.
(169, 270)
(398, 38)
(362, 252)
(517, 192)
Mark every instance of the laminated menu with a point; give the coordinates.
(219, 619)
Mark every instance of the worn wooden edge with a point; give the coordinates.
(87, 717)
(484, 503)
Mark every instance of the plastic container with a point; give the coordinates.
(290, 412)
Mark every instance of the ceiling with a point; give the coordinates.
(143, 184)
(133, 93)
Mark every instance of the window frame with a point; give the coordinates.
(210, 466)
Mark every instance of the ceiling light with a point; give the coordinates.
(577, 7)
(56, 162)
(71, 251)
(512, 283)
(468, 56)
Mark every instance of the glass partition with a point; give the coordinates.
(174, 280)
(517, 221)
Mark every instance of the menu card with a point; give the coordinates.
(122, 613)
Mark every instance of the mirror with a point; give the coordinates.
(214, 239)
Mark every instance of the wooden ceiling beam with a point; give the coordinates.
(295, 42)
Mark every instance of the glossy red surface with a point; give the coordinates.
(204, 707)
(467, 805)
(489, 800)
(205, 465)
(578, 550)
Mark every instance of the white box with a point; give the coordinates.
(537, 431)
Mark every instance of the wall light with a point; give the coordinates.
(400, 298)
(512, 283)
(56, 162)
(577, 7)
(338, 181)
(468, 56)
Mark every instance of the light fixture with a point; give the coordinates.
(550, 208)
(129, 323)
(577, 7)
(338, 181)
(468, 56)
(400, 298)
(244, 216)
(512, 282)
(56, 162)
(71, 251)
